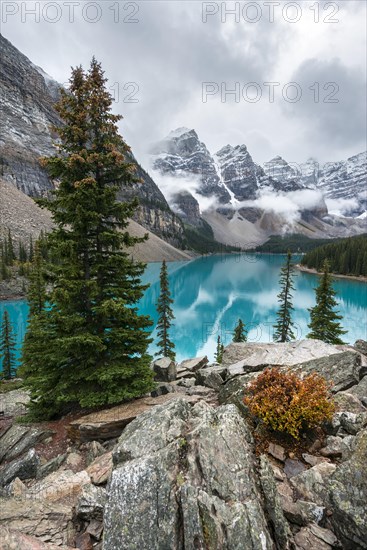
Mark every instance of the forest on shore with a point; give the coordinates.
(346, 256)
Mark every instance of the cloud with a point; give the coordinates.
(341, 207)
(288, 205)
(170, 52)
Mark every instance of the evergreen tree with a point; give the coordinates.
(324, 322)
(240, 333)
(165, 316)
(37, 285)
(283, 328)
(7, 348)
(31, 248)
(10, 249)
(219, 351)
(89, 346)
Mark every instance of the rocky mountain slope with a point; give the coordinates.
(183, 468)
(27, 97)
(25, 218)
(243, 202)
(344, 180)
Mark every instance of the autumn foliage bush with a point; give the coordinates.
(287, 403)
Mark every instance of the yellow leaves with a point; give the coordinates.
(86, 182)
(287, 403)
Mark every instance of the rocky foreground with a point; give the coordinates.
(182, 468)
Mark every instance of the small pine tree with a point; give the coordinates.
(219, 351)
(240, 332)
(7, 348)
(283, 328)
(4, 271)
(30, 248)
(10, 249)
(165, 316)
(324, 322)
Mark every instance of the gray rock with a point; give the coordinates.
(310, 538)
(255, 356)
(194, 364)
(186, 382)
(18, 439)
(348, 496)
(277, 451)
(92, 449)
(361, 346)
(50, 466)
(293, 467)
(312, 484)
(360, 390)
(14, 403)
(311, 512)
(37, 518)
(338, 447)
(302, 512)
(164, 369)
(162, 389)
(233, 391)
(342, 370)
(352, 423)
(185, 478)
(91, 503)
(210, 378)
(23, 468)
(314, 460)
(273, 505)
(348, 402)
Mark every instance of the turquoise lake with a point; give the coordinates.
(211, 293)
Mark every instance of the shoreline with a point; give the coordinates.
(313, 271)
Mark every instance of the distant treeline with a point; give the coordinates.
(295, 243)
(346, 256)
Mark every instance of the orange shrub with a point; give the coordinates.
(287, 403)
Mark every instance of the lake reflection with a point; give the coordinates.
(211, 293)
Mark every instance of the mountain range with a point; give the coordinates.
(244, 202)
(225, 196)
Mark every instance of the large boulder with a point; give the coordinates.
(342, 369)
(24, 467)
(164, 370)
(348, 496)
(19, 439)
(109, 423)
(61, 486)
(361, 346)
(341, 366)
(360, 391)
(254, 356)
(38, 519)
(185, 477)
(209, 378)
(14, 403)
(11, 540)
(311, 485)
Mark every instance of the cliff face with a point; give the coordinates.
(28, 96)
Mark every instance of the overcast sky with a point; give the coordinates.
(168, 49)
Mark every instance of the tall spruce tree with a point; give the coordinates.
(165, 316)
(7, 348)
(89, 346)
(283, 328)
(240, 332)
(324, 322)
